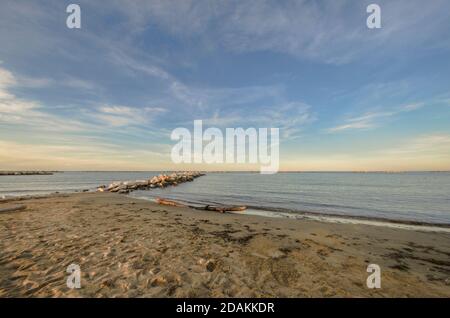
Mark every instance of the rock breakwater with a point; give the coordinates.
(160, 181)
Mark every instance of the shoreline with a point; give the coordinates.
(285, 214)
(340, 219)
(335, 218)
(128, 247)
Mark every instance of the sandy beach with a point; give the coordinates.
(133, 248)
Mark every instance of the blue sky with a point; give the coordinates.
(107, 96)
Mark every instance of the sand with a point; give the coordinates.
(133, 248)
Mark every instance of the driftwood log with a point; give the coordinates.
(218, 208)
(224, 208)
(13, 208)
(170, 202)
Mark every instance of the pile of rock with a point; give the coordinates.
(160, 181)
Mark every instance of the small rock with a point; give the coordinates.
(158, 281)
(210, 265)
(107, 283)
(277, 254)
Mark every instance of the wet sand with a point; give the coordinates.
(132, 248)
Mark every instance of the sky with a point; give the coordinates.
(107, 96)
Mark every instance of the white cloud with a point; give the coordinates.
(291, 118)
(429, 152)
(117, 116)
(121, 58)
(219, 119)
(20, 111)
(24, 112)
(78, 155)
(363, 122)
(6, 81)
(373, 119)
(437, 144)
(34, 82)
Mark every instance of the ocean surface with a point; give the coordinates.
(410, 196)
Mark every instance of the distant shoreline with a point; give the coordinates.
(27, 173)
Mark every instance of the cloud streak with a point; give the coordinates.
(328, 31)
(372, 119)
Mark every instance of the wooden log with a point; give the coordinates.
(217, 208)
(14, 208)
(170, 202)
(224, 209)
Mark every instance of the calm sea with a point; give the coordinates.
(412, 196)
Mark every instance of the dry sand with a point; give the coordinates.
(131, 248)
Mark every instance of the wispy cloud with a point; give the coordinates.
(126, 116)
(327, 31)
(290, 117)
(6, 80)
(75, 156)
(20, 111)
(372, 119)
(436, 144)
(26, 112)
(148, 67)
